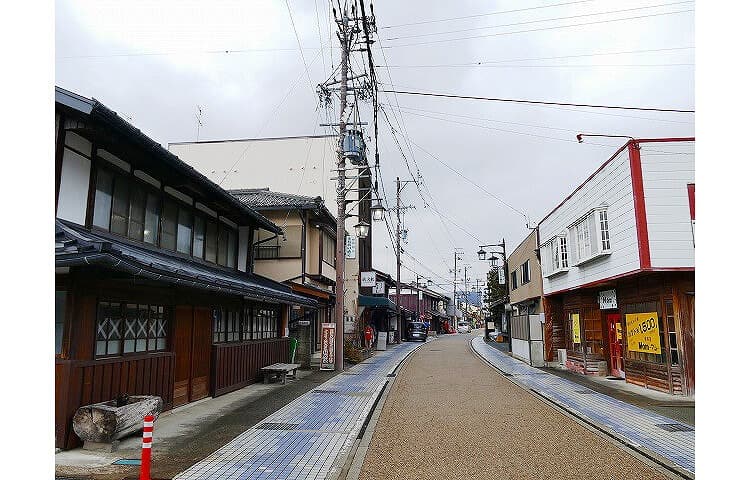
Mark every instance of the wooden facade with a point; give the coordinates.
(669, 294)
(139, 312)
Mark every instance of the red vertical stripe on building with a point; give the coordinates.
(691, 199)
(639, 202)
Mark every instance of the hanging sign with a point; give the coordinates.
(576, 328)
(619, 331)
(607, 299)
(328, 346)
(642, 330)
(350, 247)
(379, 288)
(367, 279)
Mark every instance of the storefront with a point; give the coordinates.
(640, 328)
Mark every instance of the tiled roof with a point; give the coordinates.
(264, 199)
(76, 246)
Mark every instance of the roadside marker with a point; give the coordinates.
(148, 433)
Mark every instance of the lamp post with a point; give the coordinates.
(482, 254)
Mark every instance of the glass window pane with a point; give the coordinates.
(128, 346)
(232, 250)
(199, 236)
(169, 226)
(120, 206)
(211, 241)
(184, 231)
(161, 343)
(103, 198)
(151, 226)
(101, 347)
(113, 347)
(140, 345)
(137, 212)
(223, 240)
(60, 297)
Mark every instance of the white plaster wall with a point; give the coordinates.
(667, 169)
(74, 187)
(613, 186)
(295, 165)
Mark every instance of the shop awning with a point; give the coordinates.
(76, 246)
(382, 302)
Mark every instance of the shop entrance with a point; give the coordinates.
(192, 346)
(615, 345)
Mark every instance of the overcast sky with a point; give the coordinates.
(154, 62)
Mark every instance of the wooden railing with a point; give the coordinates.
(236, 365)
(79, 383)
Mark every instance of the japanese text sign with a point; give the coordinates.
(328, 346)
(576, 328)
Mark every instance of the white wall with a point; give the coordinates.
(520, 349)
(242, 248)
(74, 181)
(294, 165)
(612, 186)
(667, 169)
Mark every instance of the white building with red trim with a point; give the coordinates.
(618, 268)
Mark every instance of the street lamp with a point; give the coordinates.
(378, 212)
(493, 260)
(482, 254)
(362, 229)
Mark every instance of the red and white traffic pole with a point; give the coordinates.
(148, 435)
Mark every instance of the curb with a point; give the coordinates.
(660, 463)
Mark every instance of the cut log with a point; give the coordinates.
(106, 422)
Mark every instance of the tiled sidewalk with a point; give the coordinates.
(634, 426)
(303, 439)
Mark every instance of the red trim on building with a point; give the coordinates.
(691, 199)
(619, 150)
(639, 202)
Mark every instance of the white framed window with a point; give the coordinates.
(554, 255)
(525, 273)
(591, 233)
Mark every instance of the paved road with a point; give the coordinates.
(449, 415)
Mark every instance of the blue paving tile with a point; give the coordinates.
(632, 424)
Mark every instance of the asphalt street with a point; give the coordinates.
(449, 415)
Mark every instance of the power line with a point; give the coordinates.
(595, 65)
(538, 29)
(483, 62)
(184, 52)
(536, 102)
(486, 14)
(539, 20)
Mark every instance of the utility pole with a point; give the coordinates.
(456, 258)
(341, 194)
(398, 260)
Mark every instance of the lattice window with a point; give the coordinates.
(130, 328)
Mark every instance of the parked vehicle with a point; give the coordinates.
(416, 331)
(464, 327)
(493, 336)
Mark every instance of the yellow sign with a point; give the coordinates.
(576, 328)
(619, 331)
(643, 332)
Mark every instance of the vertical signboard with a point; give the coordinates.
(328, 346)
(642, 330)
(350, 247)
(576, 328)
(379, 288)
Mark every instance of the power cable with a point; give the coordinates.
(538, 29)
(489, 62)
(486, 14)
(535, 102)
(539, 20)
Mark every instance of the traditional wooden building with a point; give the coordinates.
(428, 305)
(303, 257)
(618, 267)
(155, 292)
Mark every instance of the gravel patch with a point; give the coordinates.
(449, 415)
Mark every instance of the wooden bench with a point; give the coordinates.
(280, 370)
